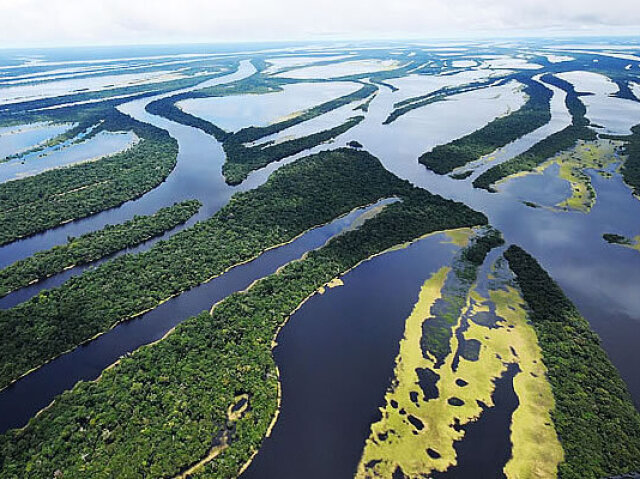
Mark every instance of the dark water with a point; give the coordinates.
(23, 294)
(22, 400)
(601, 279)
(337, 354)
(326, 409)
(486, 446)
(336, 357)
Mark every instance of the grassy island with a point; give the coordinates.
(93, 246)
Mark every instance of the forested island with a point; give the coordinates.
(596, 420)
(533, 114)
(275, 213)
(93, 246)
(37, 203)
(120, 423)
(548, 147)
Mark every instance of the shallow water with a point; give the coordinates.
(416, 85)
(15, 140)
(544, 189)
(19, 93)
(613, 115)
(341, 69)
(101, 145)
(289, 61)
(235, 112)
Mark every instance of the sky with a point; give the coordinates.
(40, 23)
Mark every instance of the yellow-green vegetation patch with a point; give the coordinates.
(459, 237)
(633, 243)
(238, 407)
(636, 243)
(595, 155)
(416, 434)
(334, 283)
(536, 450)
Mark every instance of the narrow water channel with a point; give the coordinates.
(23, 399)
(197, 175)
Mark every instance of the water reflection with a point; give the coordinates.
(102, 144)
(196, 175)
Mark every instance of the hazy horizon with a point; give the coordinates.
(118, 23)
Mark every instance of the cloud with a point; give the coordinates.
(75, 22)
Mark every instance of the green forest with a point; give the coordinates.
(93, 246)
(37, 203)
(533, 114)
(242, 160)
(631, 168)
(597, 423)
(160, 409)
(535, 156)
(312, 191)
(550, 146)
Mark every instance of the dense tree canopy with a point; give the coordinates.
(597, 423)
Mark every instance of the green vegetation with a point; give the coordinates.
(597, 155)
(596, 420)
(159, 411)
(309, 192)
(463, 175)
(576, 107)
(93, 246)
(431, 396)
(633, 243)
(631, 168)
(242, 159)
(364, 107)
(547, 148)
(437, 332)
(54, 197)
(405, 106)
(535, 156)
(616, 239)
(533, 114)
(479, 249)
